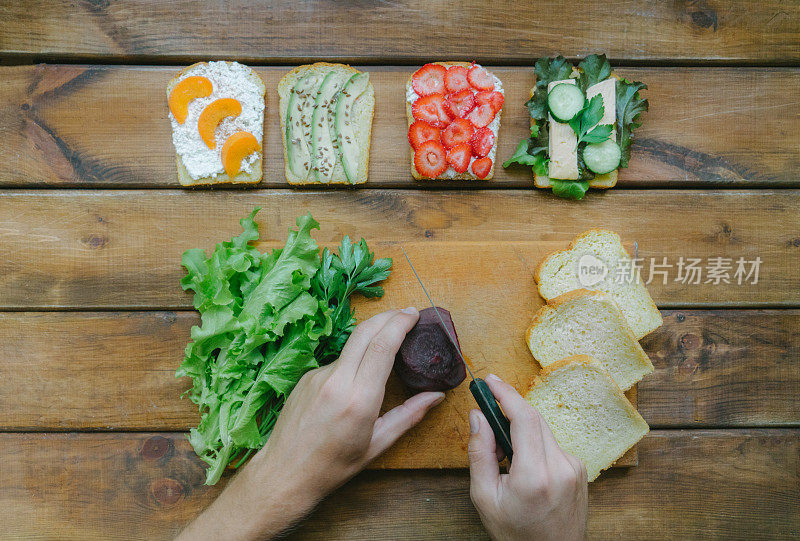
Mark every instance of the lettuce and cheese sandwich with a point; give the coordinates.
(582, 122)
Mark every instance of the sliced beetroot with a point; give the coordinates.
(427, 360)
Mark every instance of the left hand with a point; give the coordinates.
(328, 431)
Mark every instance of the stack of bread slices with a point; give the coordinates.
(586, 339)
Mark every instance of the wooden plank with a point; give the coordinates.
(114, 370)
(408, 30)
(122, 249)
(725, 484)
(106, 126)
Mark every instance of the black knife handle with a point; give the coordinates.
(491, 410)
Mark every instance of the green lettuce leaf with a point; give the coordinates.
(547, 70)
(570, 189)
(594, 69)
(264, 320)
(629, 106)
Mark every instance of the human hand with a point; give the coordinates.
(329, 430)
(544, 495)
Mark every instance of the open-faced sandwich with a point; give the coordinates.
(453, 111)
(582, 119)
(217, 114)
(326, 121)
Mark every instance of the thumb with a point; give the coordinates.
(484, 471)
(397, 421)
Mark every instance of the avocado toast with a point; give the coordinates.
(326, 121)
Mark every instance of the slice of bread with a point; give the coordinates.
(243, 177)
(600, 250)
(588, 323)
(608, 180)
(468, 174)
(590, 417)
(363, 111)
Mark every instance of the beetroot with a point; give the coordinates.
(427, 360)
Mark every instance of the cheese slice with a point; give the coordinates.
(563, 145)
(608, 90)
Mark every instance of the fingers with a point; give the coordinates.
(526, 431)
(357, 344)
(484, 470)
(397, 421)
(375, 366)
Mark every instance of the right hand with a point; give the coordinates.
(544, 495)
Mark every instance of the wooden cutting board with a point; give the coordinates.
(488, 288)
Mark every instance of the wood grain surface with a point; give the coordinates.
(289, 31)
(709, 483)
(106, 126)
(121, 249)
(114, 370)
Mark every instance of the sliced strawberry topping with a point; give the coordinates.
(456, 79)
(492, 98)
(421, 131)
(433, 110)
(458, 157)
(430, 159)
(482, 142)
(481, 116)
(480, 79)
(458, 132)
(429, 79)
(481, 167)
(461, 103)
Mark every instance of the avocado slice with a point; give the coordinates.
(323, 153)
(345, 122)
(298, 123)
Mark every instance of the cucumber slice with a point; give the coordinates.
(565, 101)
(602, 158)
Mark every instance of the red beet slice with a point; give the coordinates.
(427, 360)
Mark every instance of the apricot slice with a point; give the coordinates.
(213, 115)
(184, 92)
(238, 146)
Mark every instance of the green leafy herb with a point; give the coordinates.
(594, 69)
(532, 151)
(585, 124)
(266, 319)
(629, 106)
(570, 189)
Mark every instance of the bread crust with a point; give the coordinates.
(599, 182)
(466, 175)
(295, 72)
(243, 177)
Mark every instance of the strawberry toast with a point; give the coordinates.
(453, 111)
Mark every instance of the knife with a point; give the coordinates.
(478, 387)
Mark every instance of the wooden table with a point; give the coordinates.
(92, 225)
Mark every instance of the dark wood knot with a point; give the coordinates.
(166, 491)
(155, 447)
(95, 242)
(690, 341)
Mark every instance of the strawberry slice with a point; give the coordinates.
(421, 131)
(482, 167)
(458, 157)
(456, 79)
(433, 110)
(461, 103)
(479, 78)
(481, 116)
(493, 98)
(429, 79)
(458, 132)
(430, 159)
(482, 142)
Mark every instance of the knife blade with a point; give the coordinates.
(478, 387)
